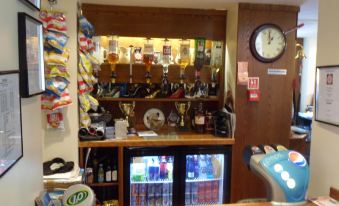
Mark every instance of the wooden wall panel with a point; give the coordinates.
(267, 121)
(170, 22)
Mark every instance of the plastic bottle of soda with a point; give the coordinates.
(170, 169)
(196, 166)
(163, 168)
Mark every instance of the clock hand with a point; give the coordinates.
(269, 37)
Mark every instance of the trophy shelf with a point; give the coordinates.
(112, 99)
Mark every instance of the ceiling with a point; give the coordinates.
(308, 8)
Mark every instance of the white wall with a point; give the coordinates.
(64, 144)
(325, 138)
(308, 72)
(21, 184)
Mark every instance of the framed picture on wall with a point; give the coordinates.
(35, 4)
(327, 94)
(11, 149)
(31, 59)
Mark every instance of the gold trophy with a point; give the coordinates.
(182, 109)
(127, 110)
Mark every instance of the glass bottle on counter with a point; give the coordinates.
(101, 174)
(199, 119)
(108, 174)
(114, 172)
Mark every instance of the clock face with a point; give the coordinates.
(268, 43)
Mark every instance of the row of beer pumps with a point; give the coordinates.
(206, 52)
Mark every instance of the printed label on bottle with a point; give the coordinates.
(114, 175)
(199, 120)
(113, 46)
(148, 48)
(184, 51)
(216, 57)
(166, 50)
(108, 176)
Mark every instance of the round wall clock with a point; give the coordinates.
(268, 43)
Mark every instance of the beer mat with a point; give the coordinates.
(325, 201)
(149, 133)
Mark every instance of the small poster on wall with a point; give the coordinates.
(327, 95)
(10, 121)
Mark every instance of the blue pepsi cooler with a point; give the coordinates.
(286, 174)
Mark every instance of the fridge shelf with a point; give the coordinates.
(152, 182)
(204, 180)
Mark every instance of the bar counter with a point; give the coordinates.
(181, 139)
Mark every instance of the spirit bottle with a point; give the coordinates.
(148, 58)
(198, 64)
(184, 58)
(199, 119)
(113, 54)
(216, 63)
(166, 61)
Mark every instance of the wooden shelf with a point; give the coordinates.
(103, 184)
(111, 99)
(162, 140)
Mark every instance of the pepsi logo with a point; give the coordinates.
(297, 159)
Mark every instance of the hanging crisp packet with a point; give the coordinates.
(56, 85)
(86, 27)
(93, 102)
(85, 120)
(84, 103)
(45, 18)
(57, 23)
(83, 44)
(56, 70)
(53, 58)
(82, 86)
(52, 102)
(55, 120)
(56, 39)
(86, 63)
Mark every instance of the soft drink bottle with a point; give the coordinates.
(190, 167)
(170, 169)
(163, 168)
(196, 167)
(209, 167)
(202, 165)
(187, 193)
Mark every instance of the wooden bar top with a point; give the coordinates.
(161, 140)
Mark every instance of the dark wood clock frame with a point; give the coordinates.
(254, 35)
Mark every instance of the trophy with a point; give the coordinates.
(182, 109)
(127, 110)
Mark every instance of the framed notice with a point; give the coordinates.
(327, 95)
(10, 121)
(31, 59)
(35, 4)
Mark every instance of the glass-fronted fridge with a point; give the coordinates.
(150, 177)
(177, 176)
(204, 179)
